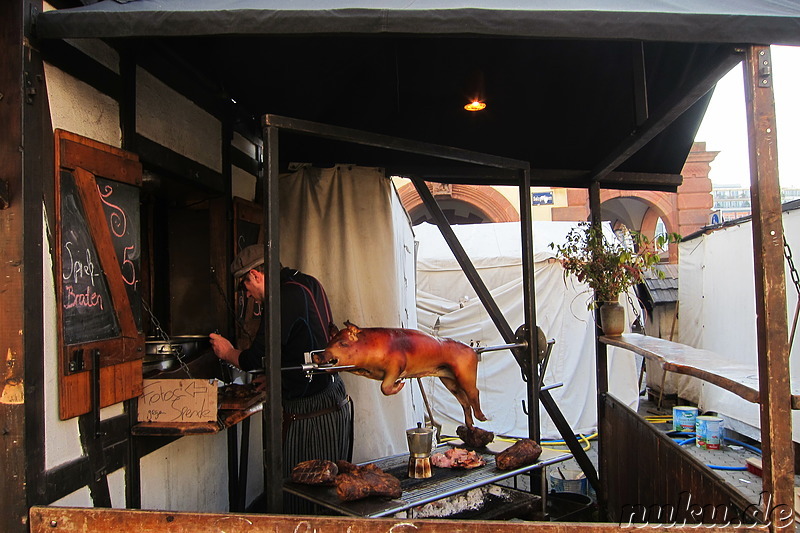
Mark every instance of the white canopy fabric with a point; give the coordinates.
(447, 306)
(718, 313)
(345, 226)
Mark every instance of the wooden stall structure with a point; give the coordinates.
(587, 97)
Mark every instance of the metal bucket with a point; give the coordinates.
(710, 431)
(684, 418)
(567, 480)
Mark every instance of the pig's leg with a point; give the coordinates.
(391, 383)
(461, 396)
(465, 371)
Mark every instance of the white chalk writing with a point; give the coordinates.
(78, 269)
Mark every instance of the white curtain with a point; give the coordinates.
(346, 227)
(449, 307)
(718, 313)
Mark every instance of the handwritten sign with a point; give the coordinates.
(178, 400)
(88, 313)
(121, 206)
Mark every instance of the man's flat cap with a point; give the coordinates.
(249, 258)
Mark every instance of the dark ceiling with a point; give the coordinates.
(609, 107)
(556, 104)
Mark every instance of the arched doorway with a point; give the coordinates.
(461, 204)
(637, 213)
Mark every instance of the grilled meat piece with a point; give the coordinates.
(358, 482)
(523, 452)
(457, 458)
(474, 437)
(315, 472)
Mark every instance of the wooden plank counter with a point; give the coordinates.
(226, 418)
(708, 366)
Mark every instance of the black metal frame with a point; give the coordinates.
(525, 357)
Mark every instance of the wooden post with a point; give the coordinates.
(13, 482)
(273, 410)
(529, 297)
(601, 362)
(770, 285)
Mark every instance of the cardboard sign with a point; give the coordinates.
(178, 400)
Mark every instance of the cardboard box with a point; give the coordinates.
(178, 400)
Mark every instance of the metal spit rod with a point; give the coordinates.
(481, 349)
(311, 367)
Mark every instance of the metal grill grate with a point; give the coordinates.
(445, 482)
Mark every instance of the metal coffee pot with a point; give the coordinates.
(420, 444)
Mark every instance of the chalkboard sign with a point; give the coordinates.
(87, 310)
(247, 222)
(121, 207)
(247, 234)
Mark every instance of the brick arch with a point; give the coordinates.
(496, 206)
(660, 205)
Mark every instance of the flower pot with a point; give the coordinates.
(612, 318)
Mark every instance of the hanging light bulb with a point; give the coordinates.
(475, 90)
(475, 105)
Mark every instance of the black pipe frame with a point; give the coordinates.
(525, 357)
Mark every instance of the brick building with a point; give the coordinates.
(683, 212)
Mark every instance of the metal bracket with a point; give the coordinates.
(30, 90)
(764, 68)
(95, 393)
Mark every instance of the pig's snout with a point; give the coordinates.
(322, 357)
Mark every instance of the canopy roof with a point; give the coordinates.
(580, 90)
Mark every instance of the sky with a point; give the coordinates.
(724, 127)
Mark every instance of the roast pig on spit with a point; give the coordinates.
(391, 355)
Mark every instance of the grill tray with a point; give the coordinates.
(444, 482)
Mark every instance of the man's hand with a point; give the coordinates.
(224, 349)
(260, 381)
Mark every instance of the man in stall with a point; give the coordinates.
(317, 412)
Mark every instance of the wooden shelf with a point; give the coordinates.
(708, 366)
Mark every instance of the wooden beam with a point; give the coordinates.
(770, 285)
(683, 98)
(638, 63)
(179, 166)
(388, 142)
(540, 177)
(13, 412)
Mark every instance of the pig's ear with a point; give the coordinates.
(332, 330)
(352, 331)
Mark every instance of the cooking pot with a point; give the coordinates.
(183, 346)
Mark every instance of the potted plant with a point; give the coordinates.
(609, 269)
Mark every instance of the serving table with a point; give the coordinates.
(416, 492)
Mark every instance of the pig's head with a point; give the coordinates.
(339, 348)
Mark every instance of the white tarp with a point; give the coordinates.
(447, 306)
(717, 313)
(345, 226)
